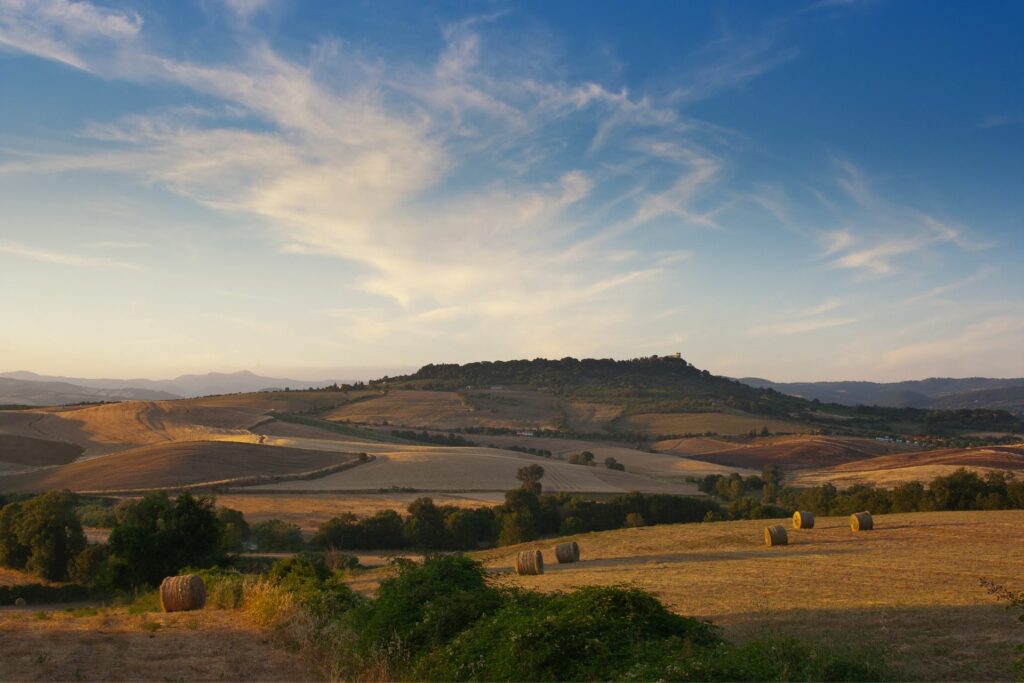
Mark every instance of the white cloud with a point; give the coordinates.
(62, 258)
(61, 29)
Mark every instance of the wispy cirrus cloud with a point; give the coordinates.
(356, 159)
(30, 253)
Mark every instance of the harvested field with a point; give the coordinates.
(446, 469)
(661, 465)
(799, 451)
(923, 466)
(171, 465)
(693, 446)
(656, 424)
(939, 623)
(448, 409)
(309, 511)
(25, 450)
(112, 644)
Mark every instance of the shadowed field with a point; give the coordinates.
(24, 450)
(910, 585)
(175, 464)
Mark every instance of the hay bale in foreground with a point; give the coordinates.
(775, 535)
(530, 562)
(803, 519)
(861, 521)
(182, 593)
(567, 552)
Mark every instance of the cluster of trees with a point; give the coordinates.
(524, 516)
(542, 452)
(961, 490)
(151, 538)
(450, 439)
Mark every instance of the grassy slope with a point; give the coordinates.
(911, 585)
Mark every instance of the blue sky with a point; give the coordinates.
(799, 191)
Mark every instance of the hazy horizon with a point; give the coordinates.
(801, 191)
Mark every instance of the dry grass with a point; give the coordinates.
(447, 469)
(911, 584)
(662, 465)
(449, 409)
(176, 464)
(115, 645)
(803, 450)
(310, 511)
(699, 423)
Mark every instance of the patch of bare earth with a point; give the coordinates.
(113, 645)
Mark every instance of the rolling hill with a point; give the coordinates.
(937, 392)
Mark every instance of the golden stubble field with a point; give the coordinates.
(910, 586)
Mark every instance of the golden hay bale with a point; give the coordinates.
(775, 535)
(861, 521)
(567, 552)
(182, 593)
(803, 519)
(530, 562)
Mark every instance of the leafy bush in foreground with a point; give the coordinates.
(594, 633)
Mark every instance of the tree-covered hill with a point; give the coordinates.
(669, 384)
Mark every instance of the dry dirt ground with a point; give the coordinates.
(910, 586)
(174, 464)
(111, 644)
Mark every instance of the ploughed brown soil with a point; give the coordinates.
(174, 464)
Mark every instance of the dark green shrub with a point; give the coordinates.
(92, 567)
(762, 660)
(423, 605)
(594, 633)
(424, 527)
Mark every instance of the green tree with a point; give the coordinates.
(772, 477)
(234, 529)
(424, 527)
(277, 535)
(156, 537)
(42, 535)
(530, 477)
(613, 464)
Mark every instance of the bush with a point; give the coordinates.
(761, 660)
(92, 567)
(422, 606)
(275, 535)
(594, 633)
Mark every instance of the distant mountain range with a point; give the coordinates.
(29, 388)
(936, 392)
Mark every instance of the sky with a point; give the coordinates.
(813, 190)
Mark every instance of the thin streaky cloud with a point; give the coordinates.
(62, 258)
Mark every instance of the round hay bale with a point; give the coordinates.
(775, 535)
(567, 552)
(530, 562)
(182, 593)
(19, 602)
(861, 521)
(803, 519)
